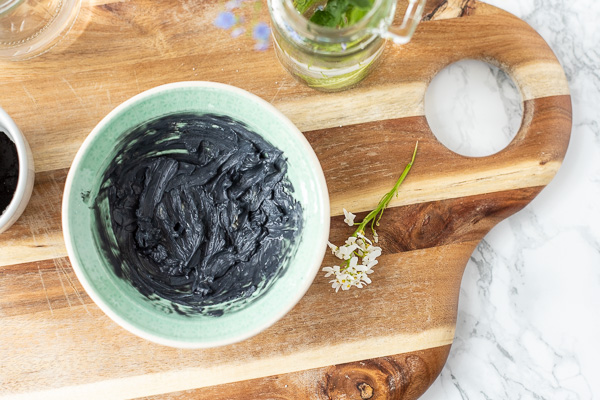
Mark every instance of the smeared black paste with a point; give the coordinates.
(201, 211)
(9, 170)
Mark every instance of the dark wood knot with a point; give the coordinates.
(390, 378)
(366, 391)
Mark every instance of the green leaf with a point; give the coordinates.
(355, 15)
(303, 5)
(337, 8)
(364, 4)
(324, 18)
(337, 13)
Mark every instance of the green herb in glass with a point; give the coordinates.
(335, 13)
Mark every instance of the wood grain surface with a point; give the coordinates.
(387, 341)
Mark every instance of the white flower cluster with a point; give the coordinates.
(351, 273)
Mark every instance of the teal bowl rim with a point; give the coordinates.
(311, 272)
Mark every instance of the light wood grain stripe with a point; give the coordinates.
(388, 377)
(28, 250)
(37, 235)
(379, 103)
(190, 378)
(357, 106)
(544, 79)
(95, 3)
(469, 183)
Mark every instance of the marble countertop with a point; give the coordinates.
(528, 319)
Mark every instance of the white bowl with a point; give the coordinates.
(26, 173)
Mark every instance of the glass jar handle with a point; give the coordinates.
(402, 34)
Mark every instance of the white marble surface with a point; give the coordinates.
(529, 313)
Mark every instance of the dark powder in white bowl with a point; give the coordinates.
(9, 170)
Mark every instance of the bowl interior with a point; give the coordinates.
(117, 297)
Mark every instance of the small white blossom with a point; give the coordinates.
(349, 217)
(331, 270)
(345, 252)
(353, 273)
(364, 269)
(335, 284)
(371, 264)
(371, 254)
(333, 247)
(365, 279)
(353, 263)
(362, 246)
(351, 240)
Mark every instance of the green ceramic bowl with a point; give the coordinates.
(116, 296)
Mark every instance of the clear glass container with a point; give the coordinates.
(332, 59)
(29, 28)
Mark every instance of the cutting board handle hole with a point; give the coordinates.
(473, 108)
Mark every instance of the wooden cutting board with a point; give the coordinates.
(387, 341)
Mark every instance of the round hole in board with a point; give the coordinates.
(473, 108)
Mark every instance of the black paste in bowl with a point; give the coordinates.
(200, 212)
(9, 170)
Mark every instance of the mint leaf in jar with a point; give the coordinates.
(334, 13)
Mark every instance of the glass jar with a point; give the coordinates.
(332, 59)
(31, 27)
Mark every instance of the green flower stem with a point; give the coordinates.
(385, 200)
(347, 265)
